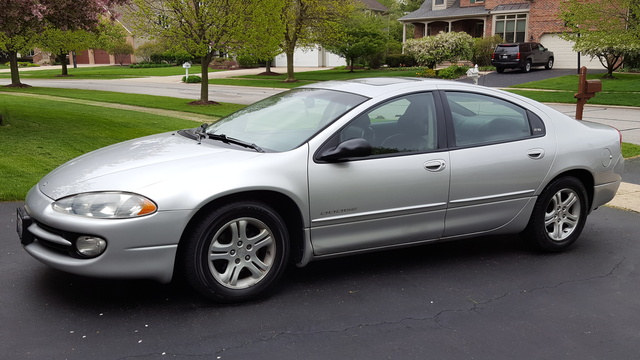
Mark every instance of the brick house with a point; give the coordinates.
(514, 20)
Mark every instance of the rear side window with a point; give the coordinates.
(480, 119)
(525, 47)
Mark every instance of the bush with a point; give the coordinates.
(452, 72)
(192, 79)
(427, 73)
(432, 50)
(400, 60)
(148, 65)
(23, 64)
(249, 61)
(483, 48)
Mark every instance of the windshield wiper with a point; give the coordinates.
(201, 132)
(229, 140)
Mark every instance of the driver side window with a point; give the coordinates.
(401, 125)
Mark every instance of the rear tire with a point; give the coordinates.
(527, 66)
(549, 64)
(558, 216)
(500, 70)
(236, 253)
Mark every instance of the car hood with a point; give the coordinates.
(135, 164)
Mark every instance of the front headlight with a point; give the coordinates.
(106, 205)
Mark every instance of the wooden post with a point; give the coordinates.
(586, 90)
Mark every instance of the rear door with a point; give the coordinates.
(499, 157)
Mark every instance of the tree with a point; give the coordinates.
(309, 22)
(204, 28)
(363, 35)
(22, 20)
(432, 50)
(605, 29)
(61, 42)
(112, 37)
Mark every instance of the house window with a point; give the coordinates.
(511, 27)
(439, 2)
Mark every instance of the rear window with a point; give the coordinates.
(507, 48)
(525, 47)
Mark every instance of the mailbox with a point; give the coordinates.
(594, 86)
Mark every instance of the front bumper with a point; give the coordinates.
(142, 248)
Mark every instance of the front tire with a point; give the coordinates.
(236, 253)
(558, 216)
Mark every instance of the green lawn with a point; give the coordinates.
(622, 91)
(39, 135)
(102, 72)
(308, 77)
(158, 102)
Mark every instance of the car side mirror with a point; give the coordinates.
(347, 149)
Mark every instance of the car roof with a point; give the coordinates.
(372, 87)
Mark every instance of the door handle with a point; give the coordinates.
(435, 165)
(536, 154)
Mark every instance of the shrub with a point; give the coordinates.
(400, 60)
(426, 73)
(249, 61)
(483, 48)
(432, 50)
(148, 65)
(452, 72)
(192, 79)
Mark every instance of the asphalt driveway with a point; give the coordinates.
(485, 298)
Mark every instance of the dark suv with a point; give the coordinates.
(521, 55)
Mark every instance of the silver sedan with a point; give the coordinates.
(325, 170)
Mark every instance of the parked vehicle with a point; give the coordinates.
(324, 170)
(521, 55)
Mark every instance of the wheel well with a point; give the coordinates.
(281, 203)
(585, 178)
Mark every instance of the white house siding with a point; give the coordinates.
(565, 57)
(314, 57)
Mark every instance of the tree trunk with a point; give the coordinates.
(15, 73)
(204, 74)
(351, 61)
(63, 60)
(291, 77)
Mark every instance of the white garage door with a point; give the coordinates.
(565, 57)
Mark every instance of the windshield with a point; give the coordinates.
(287, 120)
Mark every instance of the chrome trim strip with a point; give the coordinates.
(490, 197)
(383, 212)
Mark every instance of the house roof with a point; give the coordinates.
(374, 5)
(510, 7)
(425, 12)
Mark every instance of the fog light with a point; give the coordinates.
(90, 246)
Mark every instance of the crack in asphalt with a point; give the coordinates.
(478, 305)
(435, 318)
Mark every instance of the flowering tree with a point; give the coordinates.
(22, 20)
(432, 50)
(605, 29)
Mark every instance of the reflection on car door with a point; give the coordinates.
(501, 157)
(397, 195)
